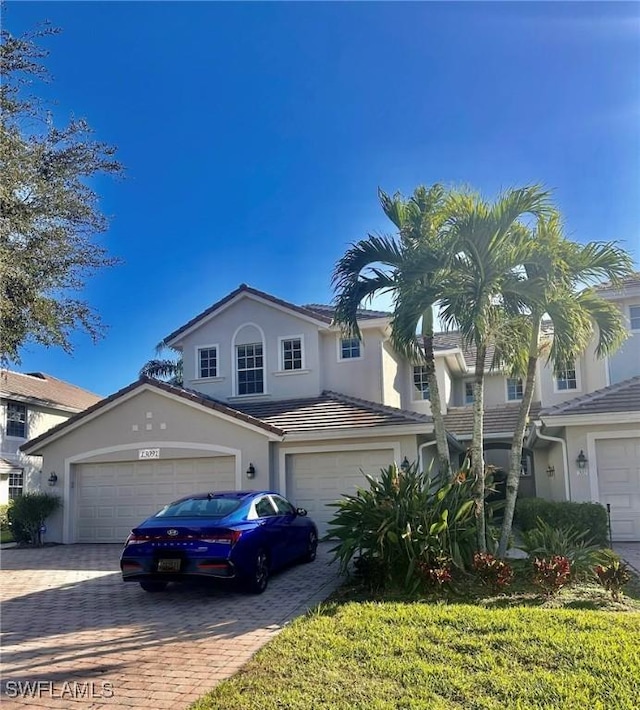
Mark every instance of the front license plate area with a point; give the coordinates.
(169, 564)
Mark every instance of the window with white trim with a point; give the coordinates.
(634, 317)
(515, 389)
(468, 392)
(16, 483)
(291, 354)
(349, 348)
(208, 362)
(420, 382)
(16, 420)
(566, 378)
(250, 368)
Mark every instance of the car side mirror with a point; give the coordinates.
(301, 511)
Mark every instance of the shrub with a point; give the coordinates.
(4, 516)
(494, 573)
(28, 513)
(590, 518)
(613, 577)
(436, 573)
(404, 523)
(550, 575)
(547, 541)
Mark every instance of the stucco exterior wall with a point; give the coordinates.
(246, 321)
(626, 362)
(391, 386)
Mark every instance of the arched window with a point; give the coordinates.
(249, 358)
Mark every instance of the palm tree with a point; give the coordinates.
(409, 267)
(554, 273)
(481, 292)
(164, 369)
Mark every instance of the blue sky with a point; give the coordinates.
(256, 135)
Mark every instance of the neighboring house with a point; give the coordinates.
(275, 397)
(30, 404)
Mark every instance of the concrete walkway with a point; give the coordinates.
(84, 639)
(630, 551)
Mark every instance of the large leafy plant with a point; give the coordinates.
(28, 514)
(406, 521)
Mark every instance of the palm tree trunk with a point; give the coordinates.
(477, 453)
(513, 477)
(442, 445)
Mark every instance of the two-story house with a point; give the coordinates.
(275, 397)
(30, 404)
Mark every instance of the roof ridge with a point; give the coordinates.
(376, 406)
(590, 396)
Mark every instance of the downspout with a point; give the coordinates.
(565, 456)
(420, 454)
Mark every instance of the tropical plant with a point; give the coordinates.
(494, 573)
(28, 513)
(551, 574)
(169, 370)
(613, 576)
(553, 277)
(546, 541)
(407, 266)
(405, 522)
(480, 294)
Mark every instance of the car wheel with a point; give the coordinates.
(312, 547)
(259, 578)
(153, 586)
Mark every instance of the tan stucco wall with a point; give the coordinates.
(626, 362)
(182, 423)
(391, 385)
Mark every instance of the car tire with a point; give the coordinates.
(259, 577)
(312, 547)
(153, 586)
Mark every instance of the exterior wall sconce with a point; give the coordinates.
(53, 478)
(581, 461)
(551, 471)
(251, 471)
(405, 465)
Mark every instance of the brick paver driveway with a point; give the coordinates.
(78, 634)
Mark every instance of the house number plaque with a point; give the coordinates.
(148, 453)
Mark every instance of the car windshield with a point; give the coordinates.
(200, 508)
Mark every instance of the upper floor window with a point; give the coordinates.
(634, 317)
(349, 348)
(468, 392)
(566, 378)
(250, 368)
(420, 382)
(515, 389)
(16, 483)
(291, 354)
(208, 361)
(17, 419)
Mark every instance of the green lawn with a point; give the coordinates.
(5, 536)
(374, 655)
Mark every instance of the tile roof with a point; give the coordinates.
(189, 395)
(631, 281)
(329, 411)
(328, 310)
(45, 389)
(497, 420)
(622, 397)
(243, 288)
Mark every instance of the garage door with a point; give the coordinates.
(112, 498)
(313, 480)
(619, 482)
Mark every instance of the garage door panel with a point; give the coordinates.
(316, 479)
(112, 498)
(619, 484)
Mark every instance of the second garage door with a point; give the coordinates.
(315, 479)
(619, 484)
(112, 498)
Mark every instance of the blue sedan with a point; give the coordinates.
(239, 535)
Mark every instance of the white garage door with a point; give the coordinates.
(619, 482)
(112, 498)
(313, 480)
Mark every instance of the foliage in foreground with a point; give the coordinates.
(587, 518)
(28, 514)
(377, 656)
(407, 527)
